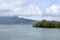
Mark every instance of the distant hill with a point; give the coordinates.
(15, 20)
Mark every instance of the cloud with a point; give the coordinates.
(30, 10)
(10, 4)
(8, 8)
(53, 10)
(52, 13)
(13, 8)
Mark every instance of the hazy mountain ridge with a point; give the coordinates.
(15, 20)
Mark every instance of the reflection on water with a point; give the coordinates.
(27, 32)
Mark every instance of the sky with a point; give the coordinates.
(31, 9)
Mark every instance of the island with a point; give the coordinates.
(47, 24)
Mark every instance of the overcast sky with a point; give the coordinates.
(31, 9)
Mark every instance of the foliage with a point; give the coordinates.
(47, 24)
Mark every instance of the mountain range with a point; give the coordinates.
(15, 20)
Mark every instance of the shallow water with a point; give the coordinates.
(27, 32)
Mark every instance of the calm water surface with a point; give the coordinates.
(27, 32)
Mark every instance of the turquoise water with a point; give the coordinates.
(27, 32)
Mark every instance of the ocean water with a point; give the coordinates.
(27, 32)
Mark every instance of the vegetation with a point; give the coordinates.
(47, 24)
